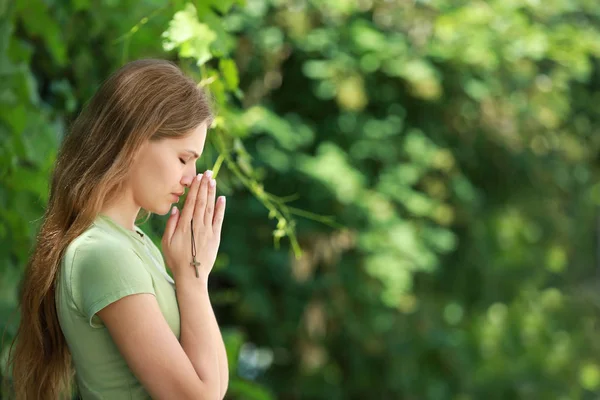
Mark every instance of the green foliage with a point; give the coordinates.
(445, 138)
(452, 147)
(192, 38)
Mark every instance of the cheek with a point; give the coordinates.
(154, 178)
(161, 176)
(152, 188)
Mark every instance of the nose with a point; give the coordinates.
(188, 179)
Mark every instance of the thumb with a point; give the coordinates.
(171, 225)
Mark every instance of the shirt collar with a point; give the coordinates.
(137, 235)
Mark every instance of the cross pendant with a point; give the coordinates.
(195, 264)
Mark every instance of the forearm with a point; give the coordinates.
(197, 341)
(221, 354)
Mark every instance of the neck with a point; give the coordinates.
(123, 213)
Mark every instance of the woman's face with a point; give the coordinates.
(163, 169)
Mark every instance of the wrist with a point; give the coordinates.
(187, 276)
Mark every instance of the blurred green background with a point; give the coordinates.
(412, 185)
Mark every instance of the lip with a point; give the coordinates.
(175, 196)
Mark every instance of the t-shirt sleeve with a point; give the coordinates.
(104, 273)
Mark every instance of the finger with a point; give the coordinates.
(219, 215)
(200, 208)
(210, 202)
(190, 202)
(171, 225)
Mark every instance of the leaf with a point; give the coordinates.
(79, 5)
(351, 94)
(39, 23)
(189, 36)
(225, 42)
(223, 6)
(229, 72)
(332, 167)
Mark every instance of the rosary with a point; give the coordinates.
(194, 263)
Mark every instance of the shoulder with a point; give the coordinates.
(97, 256)
(97, 245)
(102, 269)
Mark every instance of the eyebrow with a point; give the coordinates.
(193, 152)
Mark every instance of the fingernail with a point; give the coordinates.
(198, 177)
(208, 173)
(174, 210)
(213, 183)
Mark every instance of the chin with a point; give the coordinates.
(160, 211)
(167, 210)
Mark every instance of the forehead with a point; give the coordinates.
(197, 134)
(193, 140)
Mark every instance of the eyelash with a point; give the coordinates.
(183, 162)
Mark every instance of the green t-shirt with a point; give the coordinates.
(104, 264)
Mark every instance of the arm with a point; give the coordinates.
(166, 368)
(201, 221)
(221, 354)
(109, 280)
(200, 333)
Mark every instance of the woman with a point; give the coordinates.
(96, 300)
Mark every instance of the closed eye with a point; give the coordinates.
(183, 162)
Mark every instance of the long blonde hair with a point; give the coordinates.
(143, 100)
